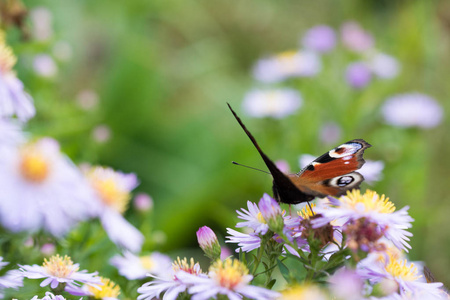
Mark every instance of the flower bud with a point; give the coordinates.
(207, 240)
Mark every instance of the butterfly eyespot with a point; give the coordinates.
(345, 180)
(345, 150)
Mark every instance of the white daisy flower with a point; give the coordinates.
(136, 267)
(287, 64)
(113, 193)
(49, 296)
(61, 270)
(42, 189)
(275, 103)
(412, 110)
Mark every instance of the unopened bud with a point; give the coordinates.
(207, 240)
(271, 212)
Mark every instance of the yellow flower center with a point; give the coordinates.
(401, 269)
(228, 273)
(306, 211)
(303, 292)
(183, 265)
(370, 201)
(108, 290)
(7, 57)
(107, 184)
(58, 266)
(147, 262)
(260, 218)
(33, 165)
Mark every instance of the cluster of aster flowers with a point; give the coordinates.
(364, 63)
(357, 244)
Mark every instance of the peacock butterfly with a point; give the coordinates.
(332, 174)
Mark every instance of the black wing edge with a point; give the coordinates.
(283, 189)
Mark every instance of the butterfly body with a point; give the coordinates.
(333, 173)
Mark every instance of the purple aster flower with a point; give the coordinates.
(57, 270)
(346, 284)
(11, 279)
(41, 18)
(13, 99)
(282, 165)
(358, 75)
(172, 283)
(330, 133)
(286, 65)
(143, 202)
(384, 66)
(45, 66)
(412, 110)
(42, 189)
(404, 274)
(229, 278)
(271, 213)
(113, 193)
(372, 170)
(253, 219)
(377, 214)
(137, 267)
(320, 38)
(355, 38)
(275, 103)
(306, 159)
(246, 242)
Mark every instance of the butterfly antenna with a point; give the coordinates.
(238, 164)
(310, 207)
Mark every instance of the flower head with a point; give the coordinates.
(372, 170)
(229, 278)
(403, 273)
(253, 219)
(412, 110)
(49, 296)
(287, 64)
(173, 283)
(207, 240)
(384, 66)
(376, 211)
(113, 193)
(320, 38)
(59, 270)
(32, 176)
(136, 267)
(246, 241)
(356, 38)
(271, 213)
(109, 290)
(14, 100)
(358, 75)
(275, 103)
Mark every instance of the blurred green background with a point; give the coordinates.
(164, 70)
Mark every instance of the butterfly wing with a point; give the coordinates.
(333, 173)
(284, 190)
